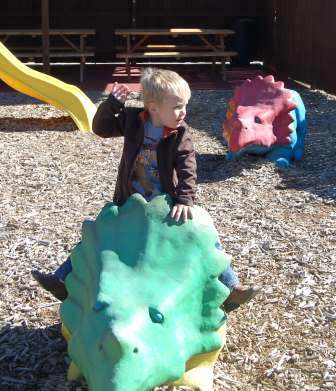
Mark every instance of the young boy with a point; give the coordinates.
(158, 157)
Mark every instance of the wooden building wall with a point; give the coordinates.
(191, 13)
(302, 43)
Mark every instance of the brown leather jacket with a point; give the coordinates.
(175, 152)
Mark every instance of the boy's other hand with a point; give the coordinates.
(181, 211)
(120, 92)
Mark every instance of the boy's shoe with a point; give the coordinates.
(238, 296)
(51, 283)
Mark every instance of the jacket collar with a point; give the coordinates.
(144, 116)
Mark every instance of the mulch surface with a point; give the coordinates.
(279, 225)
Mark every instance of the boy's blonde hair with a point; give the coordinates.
(158, 83)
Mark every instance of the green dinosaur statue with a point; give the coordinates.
(143, 297)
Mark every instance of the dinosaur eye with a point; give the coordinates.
(257, 120)
(155, 315)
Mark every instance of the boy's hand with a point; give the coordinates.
(120, 92)
(180, 210)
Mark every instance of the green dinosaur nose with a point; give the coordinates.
(155, 315)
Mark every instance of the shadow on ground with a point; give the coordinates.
(31, 358)
(215, 168)
(60, 124)
(316, 173)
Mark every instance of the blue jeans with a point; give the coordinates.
(63, 270)
(228, 278)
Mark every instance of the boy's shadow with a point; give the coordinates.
(32, 358)
(215, 168)
(212, 167)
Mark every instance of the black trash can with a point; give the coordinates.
(244, 41)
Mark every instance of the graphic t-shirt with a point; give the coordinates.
(145, 178)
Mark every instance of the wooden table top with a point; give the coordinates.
(174, 31)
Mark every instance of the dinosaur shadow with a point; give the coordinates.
(31, 358)
(316, 173)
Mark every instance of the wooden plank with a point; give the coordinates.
(33, 32)
(55, 54)
(165, 47)
(39, 48)
(177, 54)
(174, 31)
(173, 47)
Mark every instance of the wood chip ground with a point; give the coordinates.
(279, 225)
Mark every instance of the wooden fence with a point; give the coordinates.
(295, 37)
(301, 41)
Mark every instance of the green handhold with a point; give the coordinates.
(144, 295)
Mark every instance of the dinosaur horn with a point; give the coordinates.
(279, 84)
(290, 106)
(269, 78)
(65, 332)
(73, 372)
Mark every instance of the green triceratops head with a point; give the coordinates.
(144, 295)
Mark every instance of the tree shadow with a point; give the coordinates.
(56, 124)
(33, 358)
(13, 98)
(22, 113)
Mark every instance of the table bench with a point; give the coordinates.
(74, 39)
(212, 40)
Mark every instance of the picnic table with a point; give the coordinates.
(211, 44)
(73, 39)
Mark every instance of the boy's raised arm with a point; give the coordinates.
(109, 120)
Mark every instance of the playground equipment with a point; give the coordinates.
(264, 118)
(143, 305)
(47, 89)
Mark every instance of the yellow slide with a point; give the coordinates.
(47, 88)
